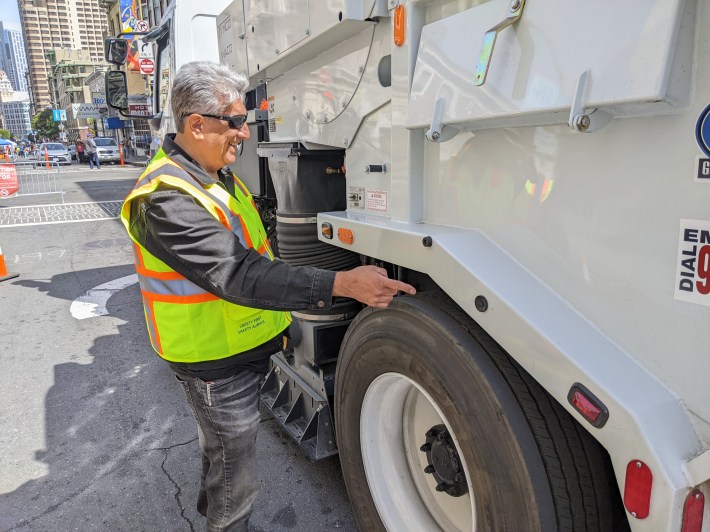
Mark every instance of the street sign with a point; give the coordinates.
(141, 26)
(147, 66)
(140, 109)
(145, 49)
(85, 110)
(59, 115)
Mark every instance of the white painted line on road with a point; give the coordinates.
(60, 213)
(64, 204)
(93, 303)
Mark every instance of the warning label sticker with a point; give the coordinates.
(376, 201)
(692, 282)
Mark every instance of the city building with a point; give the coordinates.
(134, 131)
(59, 24)
(149, 10)
(70, 68)
(16, 115)
(14, 109)
(13, 59)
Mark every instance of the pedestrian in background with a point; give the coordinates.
(92, 152)
(216, 302)
(80, 156)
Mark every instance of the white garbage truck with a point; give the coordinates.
(540, 171)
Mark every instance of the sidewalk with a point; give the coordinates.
(140, 160)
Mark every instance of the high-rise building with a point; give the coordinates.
(14, 108)
(70, 70)
(54, 24)
(13, 59)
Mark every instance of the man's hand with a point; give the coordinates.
(369, 285)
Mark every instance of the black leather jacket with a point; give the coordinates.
(173, 227)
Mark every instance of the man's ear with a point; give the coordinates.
(194, 125)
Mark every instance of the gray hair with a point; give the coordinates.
(205, 87)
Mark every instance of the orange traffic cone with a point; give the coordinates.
(4, 276)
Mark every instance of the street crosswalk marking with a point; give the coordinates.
(59, 213)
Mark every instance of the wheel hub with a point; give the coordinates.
(444, 462)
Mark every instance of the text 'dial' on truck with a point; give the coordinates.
(540, 171)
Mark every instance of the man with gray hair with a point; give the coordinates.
(216, 302)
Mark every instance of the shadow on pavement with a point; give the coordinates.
(119, 440)
(120, 445)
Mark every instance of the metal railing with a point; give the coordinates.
(35, 177)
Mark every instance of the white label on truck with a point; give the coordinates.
(376, 200)
(692, 283)
(355, 198)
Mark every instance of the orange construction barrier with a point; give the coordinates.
(4, 275)
(120, 152)
(46, 158)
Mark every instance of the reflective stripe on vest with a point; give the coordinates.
(185, 322)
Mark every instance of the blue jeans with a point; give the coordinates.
(227, 414)
(94, 160)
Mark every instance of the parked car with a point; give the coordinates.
(56, 152)
(72, 151)
(107, 149)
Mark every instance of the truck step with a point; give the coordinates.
(299, 409)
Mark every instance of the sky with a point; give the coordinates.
(8, 11)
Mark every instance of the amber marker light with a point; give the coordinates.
(326, 230)
(399, 25)
(346, 236)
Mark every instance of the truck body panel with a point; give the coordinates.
(569, 190)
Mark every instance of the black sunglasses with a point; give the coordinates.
(234, 122)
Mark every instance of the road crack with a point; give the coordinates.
(178, 492)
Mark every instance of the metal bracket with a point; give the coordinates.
(489, 41)
(437, 132)
(579, 118)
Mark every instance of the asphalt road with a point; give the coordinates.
(95, 433)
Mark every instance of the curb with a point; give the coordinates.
(140, 164)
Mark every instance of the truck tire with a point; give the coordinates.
(439, 429)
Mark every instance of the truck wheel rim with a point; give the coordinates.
(396, 414)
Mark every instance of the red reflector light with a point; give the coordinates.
(693, 512)
(587, 404)
(637, 489)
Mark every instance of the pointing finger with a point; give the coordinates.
(403, 287)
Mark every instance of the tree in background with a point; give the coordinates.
(5, 134)
(45, 126)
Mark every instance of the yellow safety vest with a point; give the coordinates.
(187, 324)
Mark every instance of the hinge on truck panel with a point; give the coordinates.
(579, 118)
(437, 132)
